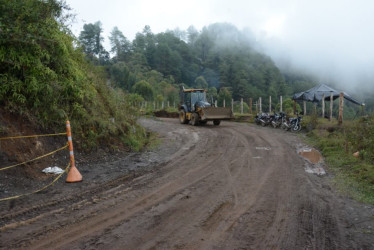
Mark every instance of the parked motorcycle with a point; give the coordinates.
(277, 119)
(293, 124)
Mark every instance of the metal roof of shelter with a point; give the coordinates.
(316, 94)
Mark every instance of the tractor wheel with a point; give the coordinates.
(195, 119)
(217, 122)
(182, 117)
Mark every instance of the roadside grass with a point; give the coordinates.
(353, 176)
(238, 117)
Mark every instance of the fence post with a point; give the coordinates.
(215, 103)
(269, 104)
(232, 105)
(260, 105)
(331, 104)
(73, 175)
(281, 104)
(250, 105)
(224, 103)
(323, 106)
(241, 106)
(256, 107)
(341, 103)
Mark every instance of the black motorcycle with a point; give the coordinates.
(293, 124)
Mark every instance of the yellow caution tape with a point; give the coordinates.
(30, 136)
(37, 158)
(34, 192)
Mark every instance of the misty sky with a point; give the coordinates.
(331, 38)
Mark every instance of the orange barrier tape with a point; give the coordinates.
(30, 136)
(34, 192)
(37, 158)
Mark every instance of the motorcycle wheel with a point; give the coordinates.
(296, 128)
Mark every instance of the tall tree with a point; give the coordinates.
(120, 45)
(91, 39)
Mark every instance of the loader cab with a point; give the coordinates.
(192, 97)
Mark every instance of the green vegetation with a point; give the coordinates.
(337, 144)
(43, 75)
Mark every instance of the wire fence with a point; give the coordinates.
(32, 160)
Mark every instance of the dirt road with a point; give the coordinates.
(235, 186)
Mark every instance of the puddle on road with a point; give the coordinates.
(312, 155)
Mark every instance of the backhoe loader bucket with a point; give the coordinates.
(216, 113)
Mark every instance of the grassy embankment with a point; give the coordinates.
(337, 143)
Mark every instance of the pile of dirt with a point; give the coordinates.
(166, 114)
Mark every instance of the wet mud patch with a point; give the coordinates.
(314, 160)
(311, 154)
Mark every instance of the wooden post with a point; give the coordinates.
(281, 104)
(315, 108)
(241, 106)
(304, 103)
(250, 105)
(260, 104)
(331, 104)
(269, 104)
(341, 103)
(323, 106)
(224, 103)
(256, 107)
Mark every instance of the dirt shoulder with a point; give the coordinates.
(230, 186)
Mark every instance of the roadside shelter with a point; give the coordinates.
(316, 94)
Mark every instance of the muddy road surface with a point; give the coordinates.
(233, 186)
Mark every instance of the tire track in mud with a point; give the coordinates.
(228, 187)
(154, 197)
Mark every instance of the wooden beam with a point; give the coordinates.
(323, 106)
(331, 104)
(341, 103)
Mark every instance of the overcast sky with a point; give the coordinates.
(331, 38)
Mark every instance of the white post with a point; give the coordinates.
(215, 103)
(281, 104)
(224, 103)
(269, 104)
(241, 106)
(260, 104)
(304, 102)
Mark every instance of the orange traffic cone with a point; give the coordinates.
(73, 175)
